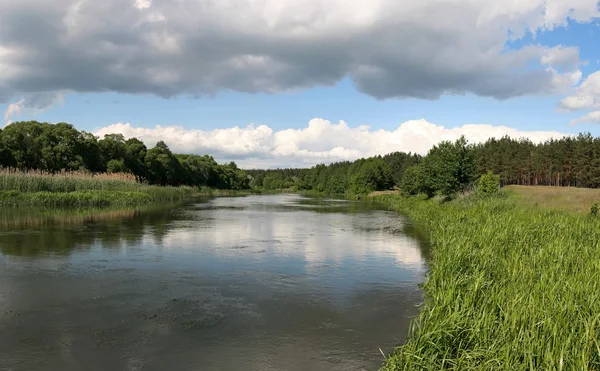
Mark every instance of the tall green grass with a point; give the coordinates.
(78, 189)
(38, 181)
(510, 287)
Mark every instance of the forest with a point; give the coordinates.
(446, 169)
(60, 147)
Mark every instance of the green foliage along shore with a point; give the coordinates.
(359, 177)
(451, 166)
(60, 147)
(510, 287)
(78, 189)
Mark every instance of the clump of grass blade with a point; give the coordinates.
(510, 287)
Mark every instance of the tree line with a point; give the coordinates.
(60, 147)
(358, 177)
(452, 166)
(447, 168)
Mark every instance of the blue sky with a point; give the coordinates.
(285, 64)
(293, 110)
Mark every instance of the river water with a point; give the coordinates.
(279, 282)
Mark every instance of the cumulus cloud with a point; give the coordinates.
(587, 98)
(389, 48)
(592, 117)
(320, 142)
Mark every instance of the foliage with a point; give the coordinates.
(570, 161)
(55, 148)
(116, 166)
(80, 189)
(372, 175)
(595, 208)
(510, 287)
(411, 181)
(399, 162)
(447, 168)
(488, 183)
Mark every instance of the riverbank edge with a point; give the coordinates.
(108, 198)
(509, 287)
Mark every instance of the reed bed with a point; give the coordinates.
(25, 217)
(40, 181)
(510, 287)
(80, 189)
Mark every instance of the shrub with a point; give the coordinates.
(488, 183)
(412, 181)
(595, 208)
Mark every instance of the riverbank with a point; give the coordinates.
(75, 189)
(511, 286)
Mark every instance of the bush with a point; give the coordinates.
(488, 183)
(411, 181)
(116, 166)
(595, 208)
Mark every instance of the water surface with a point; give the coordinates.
(247, 283)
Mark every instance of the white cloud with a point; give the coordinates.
(587, 98)
(587, 95)
(13, 109)
(320, 142)
(389, 48)
(143, 4)
(34, 103)
(592, 117)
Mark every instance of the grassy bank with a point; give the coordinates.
(511, 286)
(76, 189)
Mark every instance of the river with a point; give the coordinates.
(280, 282)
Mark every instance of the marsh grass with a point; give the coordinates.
(39, 181)
(25, 217)
(510, 287)
(80, 189)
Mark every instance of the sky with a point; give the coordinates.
(271, 83)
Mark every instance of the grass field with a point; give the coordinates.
(511, 286)
(564, 198)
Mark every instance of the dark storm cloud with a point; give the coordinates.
(390, 49)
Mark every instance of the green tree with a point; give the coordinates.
(163, 167)
(21, 139)
(135, 157)
(448, 168)
(90, 153)
(412, 181)
(112, 147)
(116, 166)
(269, 183)
(373, 175)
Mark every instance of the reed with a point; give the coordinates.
(511, 286)
(40, 181)
(80, 189)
